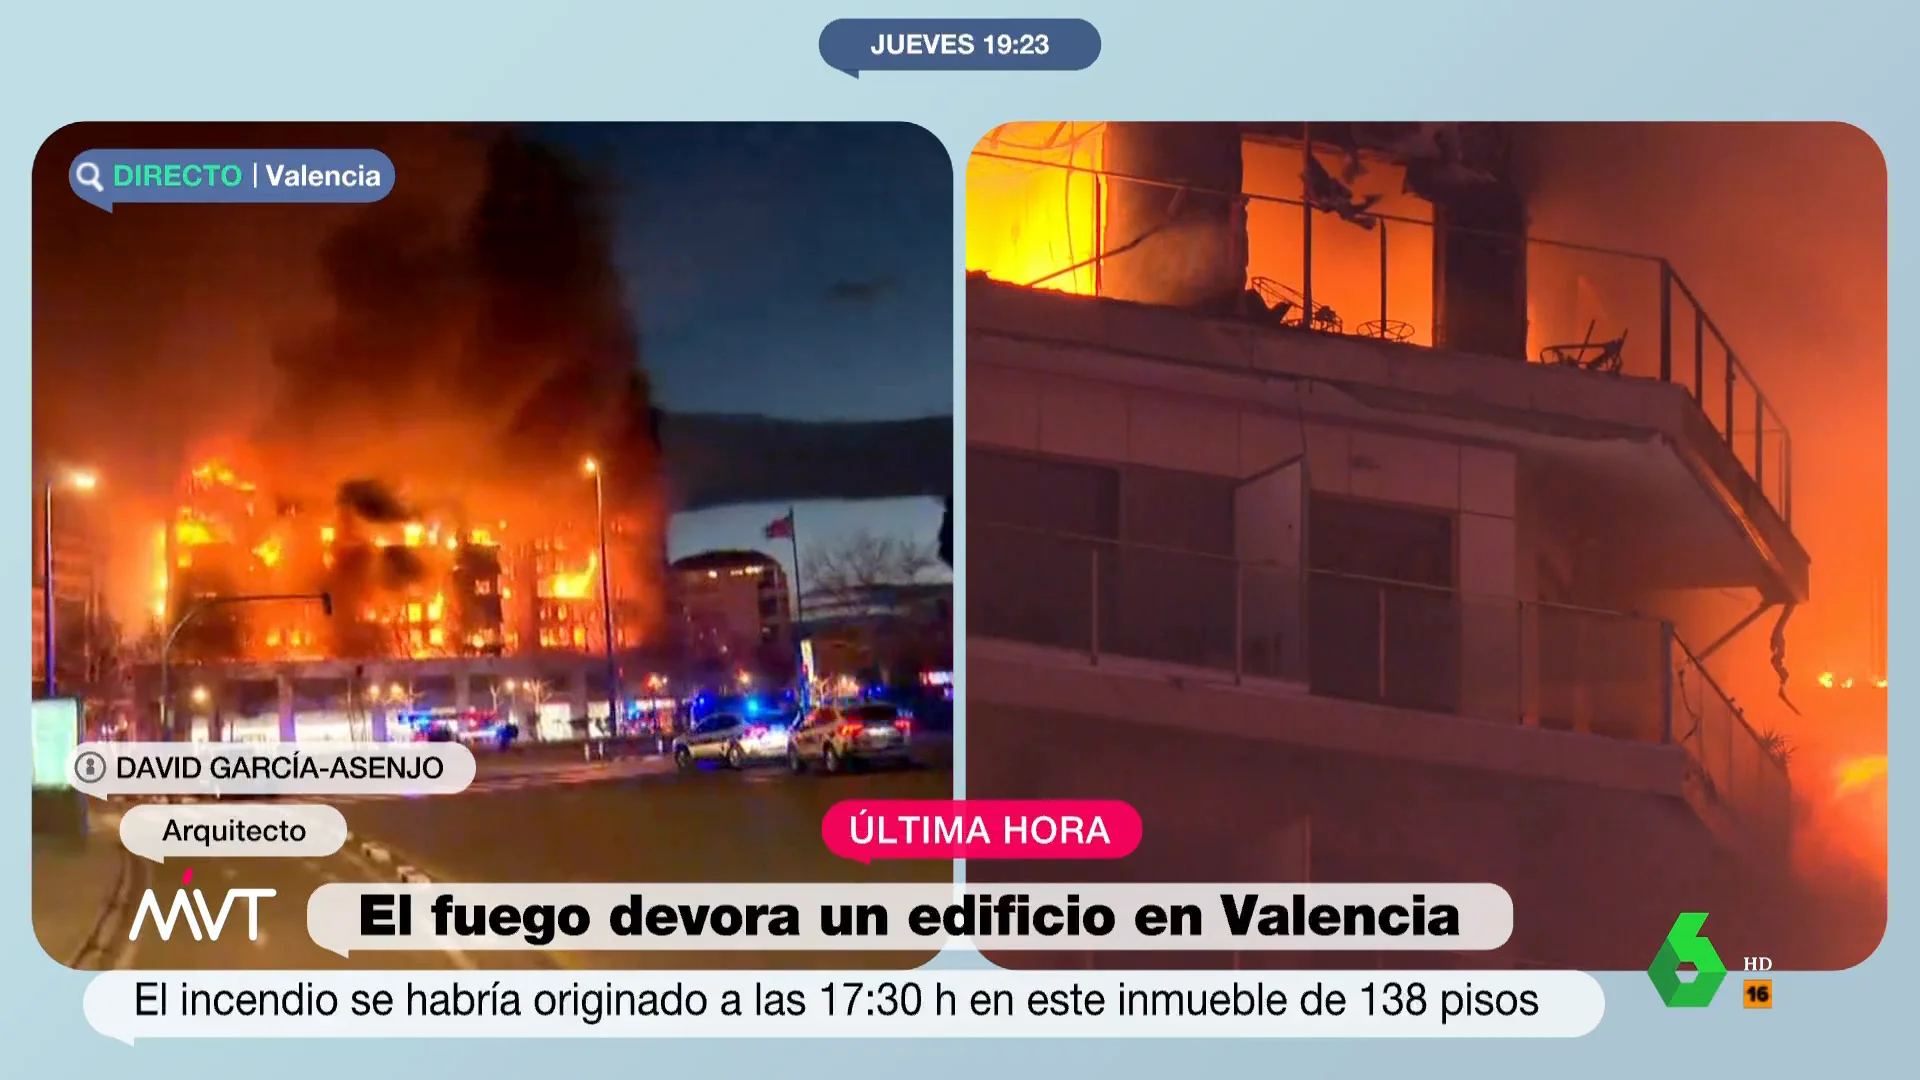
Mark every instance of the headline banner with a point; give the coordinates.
(349, 918)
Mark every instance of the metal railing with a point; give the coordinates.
(1694, 353)
(1743, 768)
(1368, 273)
(1496, 659)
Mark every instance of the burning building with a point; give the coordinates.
(399, 420)
(405, 583)
(1313, 490)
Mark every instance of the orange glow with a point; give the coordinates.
(574, 586)
(269, 551)
(1036, 216)
(1346, 257)
(1036, 221)
(1830, 681)
(192, 531)
(1860, 773)
(218, 474)
(214, 539)
(162, 574)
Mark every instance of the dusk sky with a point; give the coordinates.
(791, 270)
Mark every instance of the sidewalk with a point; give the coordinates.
(558, 757)
(74, 881)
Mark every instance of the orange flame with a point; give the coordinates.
(577, 585)
(1829, 681)
(269, 551)
(1858, 774)
(1037, 220)
(217, 473)
(162, 574)
(191, 531)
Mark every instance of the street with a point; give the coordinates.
(620, 821)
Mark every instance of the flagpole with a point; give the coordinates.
(793, 539)
(799, 610)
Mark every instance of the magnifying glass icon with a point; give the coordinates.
(87, 174)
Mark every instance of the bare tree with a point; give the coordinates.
(866, 561)
(859, 585)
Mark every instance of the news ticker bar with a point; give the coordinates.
(134, 1005)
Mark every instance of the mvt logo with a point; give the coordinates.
(191, 905)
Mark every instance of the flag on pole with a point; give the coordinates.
(781, 528)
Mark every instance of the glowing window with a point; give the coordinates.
(1346, 257)
(1034, 205)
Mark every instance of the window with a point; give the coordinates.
(1374, 540)
(1167, 592)
(1383, 616)
(1185, 511)
(873, 714)
(1033, 528)
(1042, 494)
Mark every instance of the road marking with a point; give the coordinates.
(565, 776)
(372, 873)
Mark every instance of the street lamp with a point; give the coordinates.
(77, 481)
(592, 468)
(192, 612)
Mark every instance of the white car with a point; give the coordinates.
(836, 737)
(731, 739)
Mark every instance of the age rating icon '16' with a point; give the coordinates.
(1686, 945)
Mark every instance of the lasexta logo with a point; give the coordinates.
(1685, 944)
(190, 904)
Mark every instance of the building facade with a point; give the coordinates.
(78, 576)
(405, 583)
(733, 609)
(1389, 593)
(890, 634)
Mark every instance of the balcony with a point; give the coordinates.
(1190, 619)
(1598, 345)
